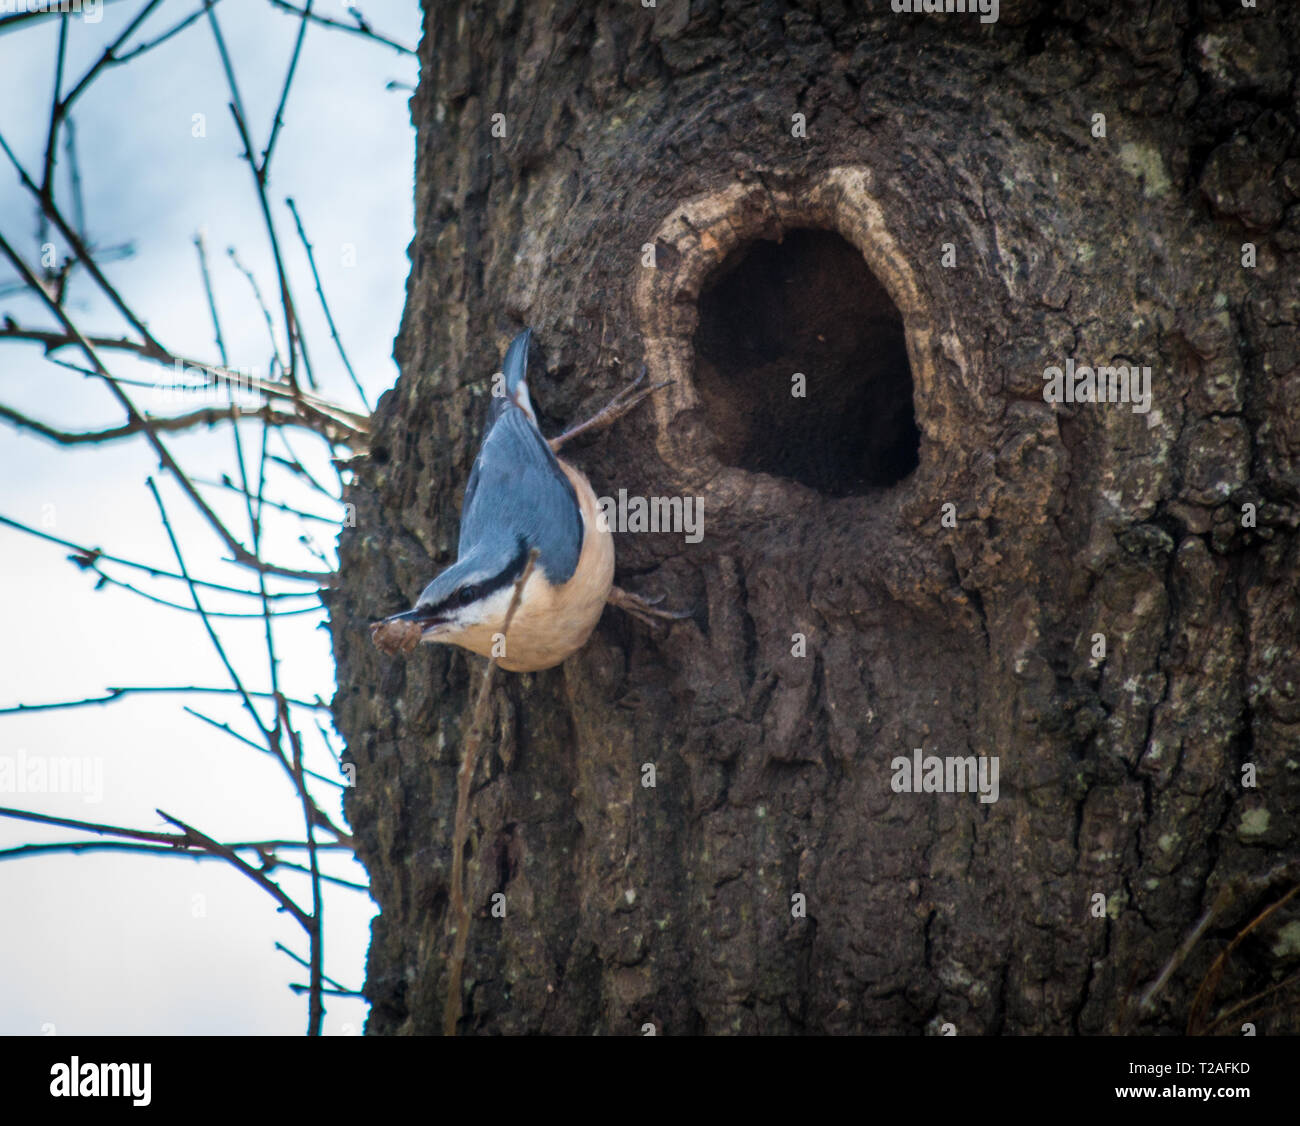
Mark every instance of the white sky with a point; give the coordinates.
(124, 943)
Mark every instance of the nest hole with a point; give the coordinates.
(806, 306)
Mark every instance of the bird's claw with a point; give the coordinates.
(623, 402)
(644, 609)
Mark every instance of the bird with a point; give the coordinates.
(526, 511)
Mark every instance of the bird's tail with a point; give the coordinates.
(515, 370)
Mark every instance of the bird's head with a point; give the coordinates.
(471, 596)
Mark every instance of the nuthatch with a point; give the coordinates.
(521, 498)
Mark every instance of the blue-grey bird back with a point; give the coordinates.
(517, 488)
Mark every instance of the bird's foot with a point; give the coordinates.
(644, 609)
(627, 399)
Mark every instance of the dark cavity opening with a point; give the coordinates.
(808, 305)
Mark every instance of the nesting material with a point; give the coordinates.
(396, 637)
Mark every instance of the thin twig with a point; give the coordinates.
(203, 617)
(35, 10)
(56, 111)
(171, 424)
(329, 319)
(458, 907)
(91, 556)
(112, 695)
(1237, 1011)
(316, 934)
(82, 254)
(173, 840)
(242, 555)
(299, 988)
(159, 40)
(108, 58)
(1185, 948)
(186, 842)
(359, 28)
(271, 733)
(338, 985)
(261, 879)
(201, 247)
(177, 849)
(74, 180)
(227, 729)
(260, 175)
(279, 506)
(166, 603)
(261, 304)
(336, 423)
(278, 122)
(1210, 983)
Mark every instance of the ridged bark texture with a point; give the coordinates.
(647, 153)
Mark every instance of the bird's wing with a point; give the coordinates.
(517, 489)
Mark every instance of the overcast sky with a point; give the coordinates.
(122, 943)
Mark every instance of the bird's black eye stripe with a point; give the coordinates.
(472, 592)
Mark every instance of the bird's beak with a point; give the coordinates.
(420, 617)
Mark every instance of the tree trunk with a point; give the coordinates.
(918, 551)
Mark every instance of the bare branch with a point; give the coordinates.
(242, 555)
(277, 505)
(37, 10)
(108, 580)
(277, 359)
(80, 251)
(225, 727)
(208, 416)
(338, 985)
(74, 183)
(294, 465)
(315, 1009)
(202, 250)
(277, 122)
(260, 172)
(114, 694)
(329, 319)
(360, 27)
(56, 110)
(458, 908)
(91, 556)
(107, 59)
(173, 841)
(159, 40)
(207, 624)
(1196, 1022)
(227, 853)
(179, 848)
(338, 424)
(299, 988)
(78, 847)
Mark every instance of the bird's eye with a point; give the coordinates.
(467, 594)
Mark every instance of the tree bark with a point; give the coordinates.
(952, 602)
